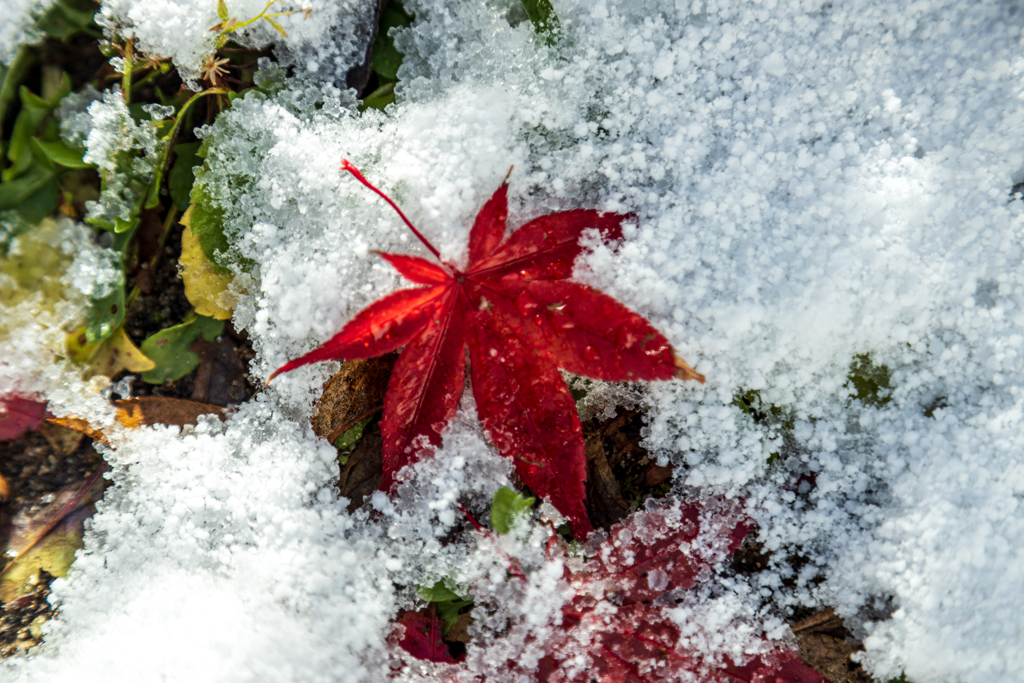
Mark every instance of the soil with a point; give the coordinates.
(20, 619)
(222, 377)
(34, 468)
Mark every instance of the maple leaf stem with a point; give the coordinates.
(512, 567)
(347, 166)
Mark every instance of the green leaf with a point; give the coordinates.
(352, 434)
(169, 348)
(447, 602)
(439, 592)
(62, 90)
(16, 192)
(222, 10)
(104, 315)
(505, 507)
(385, 57)
(545, 21)
(61, 154)
(34, 110)
(871, 382)
(208, 223)
(204, 148)
(122, 226)
(30, 100)
(182, 174)
(153, 192)
(12, 77)
(380, 98)
(448, 612)
(40, 203)
(277, 26)
(66, 17)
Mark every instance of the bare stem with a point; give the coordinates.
(347, 166)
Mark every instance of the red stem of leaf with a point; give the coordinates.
(512, 567)
(470, 517)
(347, 166)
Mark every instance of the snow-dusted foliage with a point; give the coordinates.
(18, 25)
(322, 44)
(815, 183)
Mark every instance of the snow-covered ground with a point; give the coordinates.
(815, 181)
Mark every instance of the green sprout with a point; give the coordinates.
(229, 25)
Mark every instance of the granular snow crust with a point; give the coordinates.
(815, 183)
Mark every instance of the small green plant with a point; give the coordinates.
(870, 383)
(447, 603)
(506, 507)
(229, 25)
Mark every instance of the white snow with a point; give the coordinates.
(814, 181)
(326, 44)
(18, 25)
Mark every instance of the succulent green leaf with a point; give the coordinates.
(170, 348)
(222, 10)
(505, 507)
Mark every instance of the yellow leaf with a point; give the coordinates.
(107, 357)
(30, 275)
(205, 288)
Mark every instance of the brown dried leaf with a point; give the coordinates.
(459, 632)
(221, 376)
(64, 441)
(354, 393)
(364, 470)
(605, 503)
(827, 645)
(144, 411)
(47, 537)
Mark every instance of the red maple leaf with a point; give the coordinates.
(614, 632)
(618, 628)
(522, 320)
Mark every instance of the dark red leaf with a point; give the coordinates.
(416, 269)
(521, 324)
(651, 552)
(632, 644)
(780, 666)
(384, 326)
(426, 386)
(19, 415)
(529, 413)
(623, 635)
(489, 226)
(547, 247)
(422, 637)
